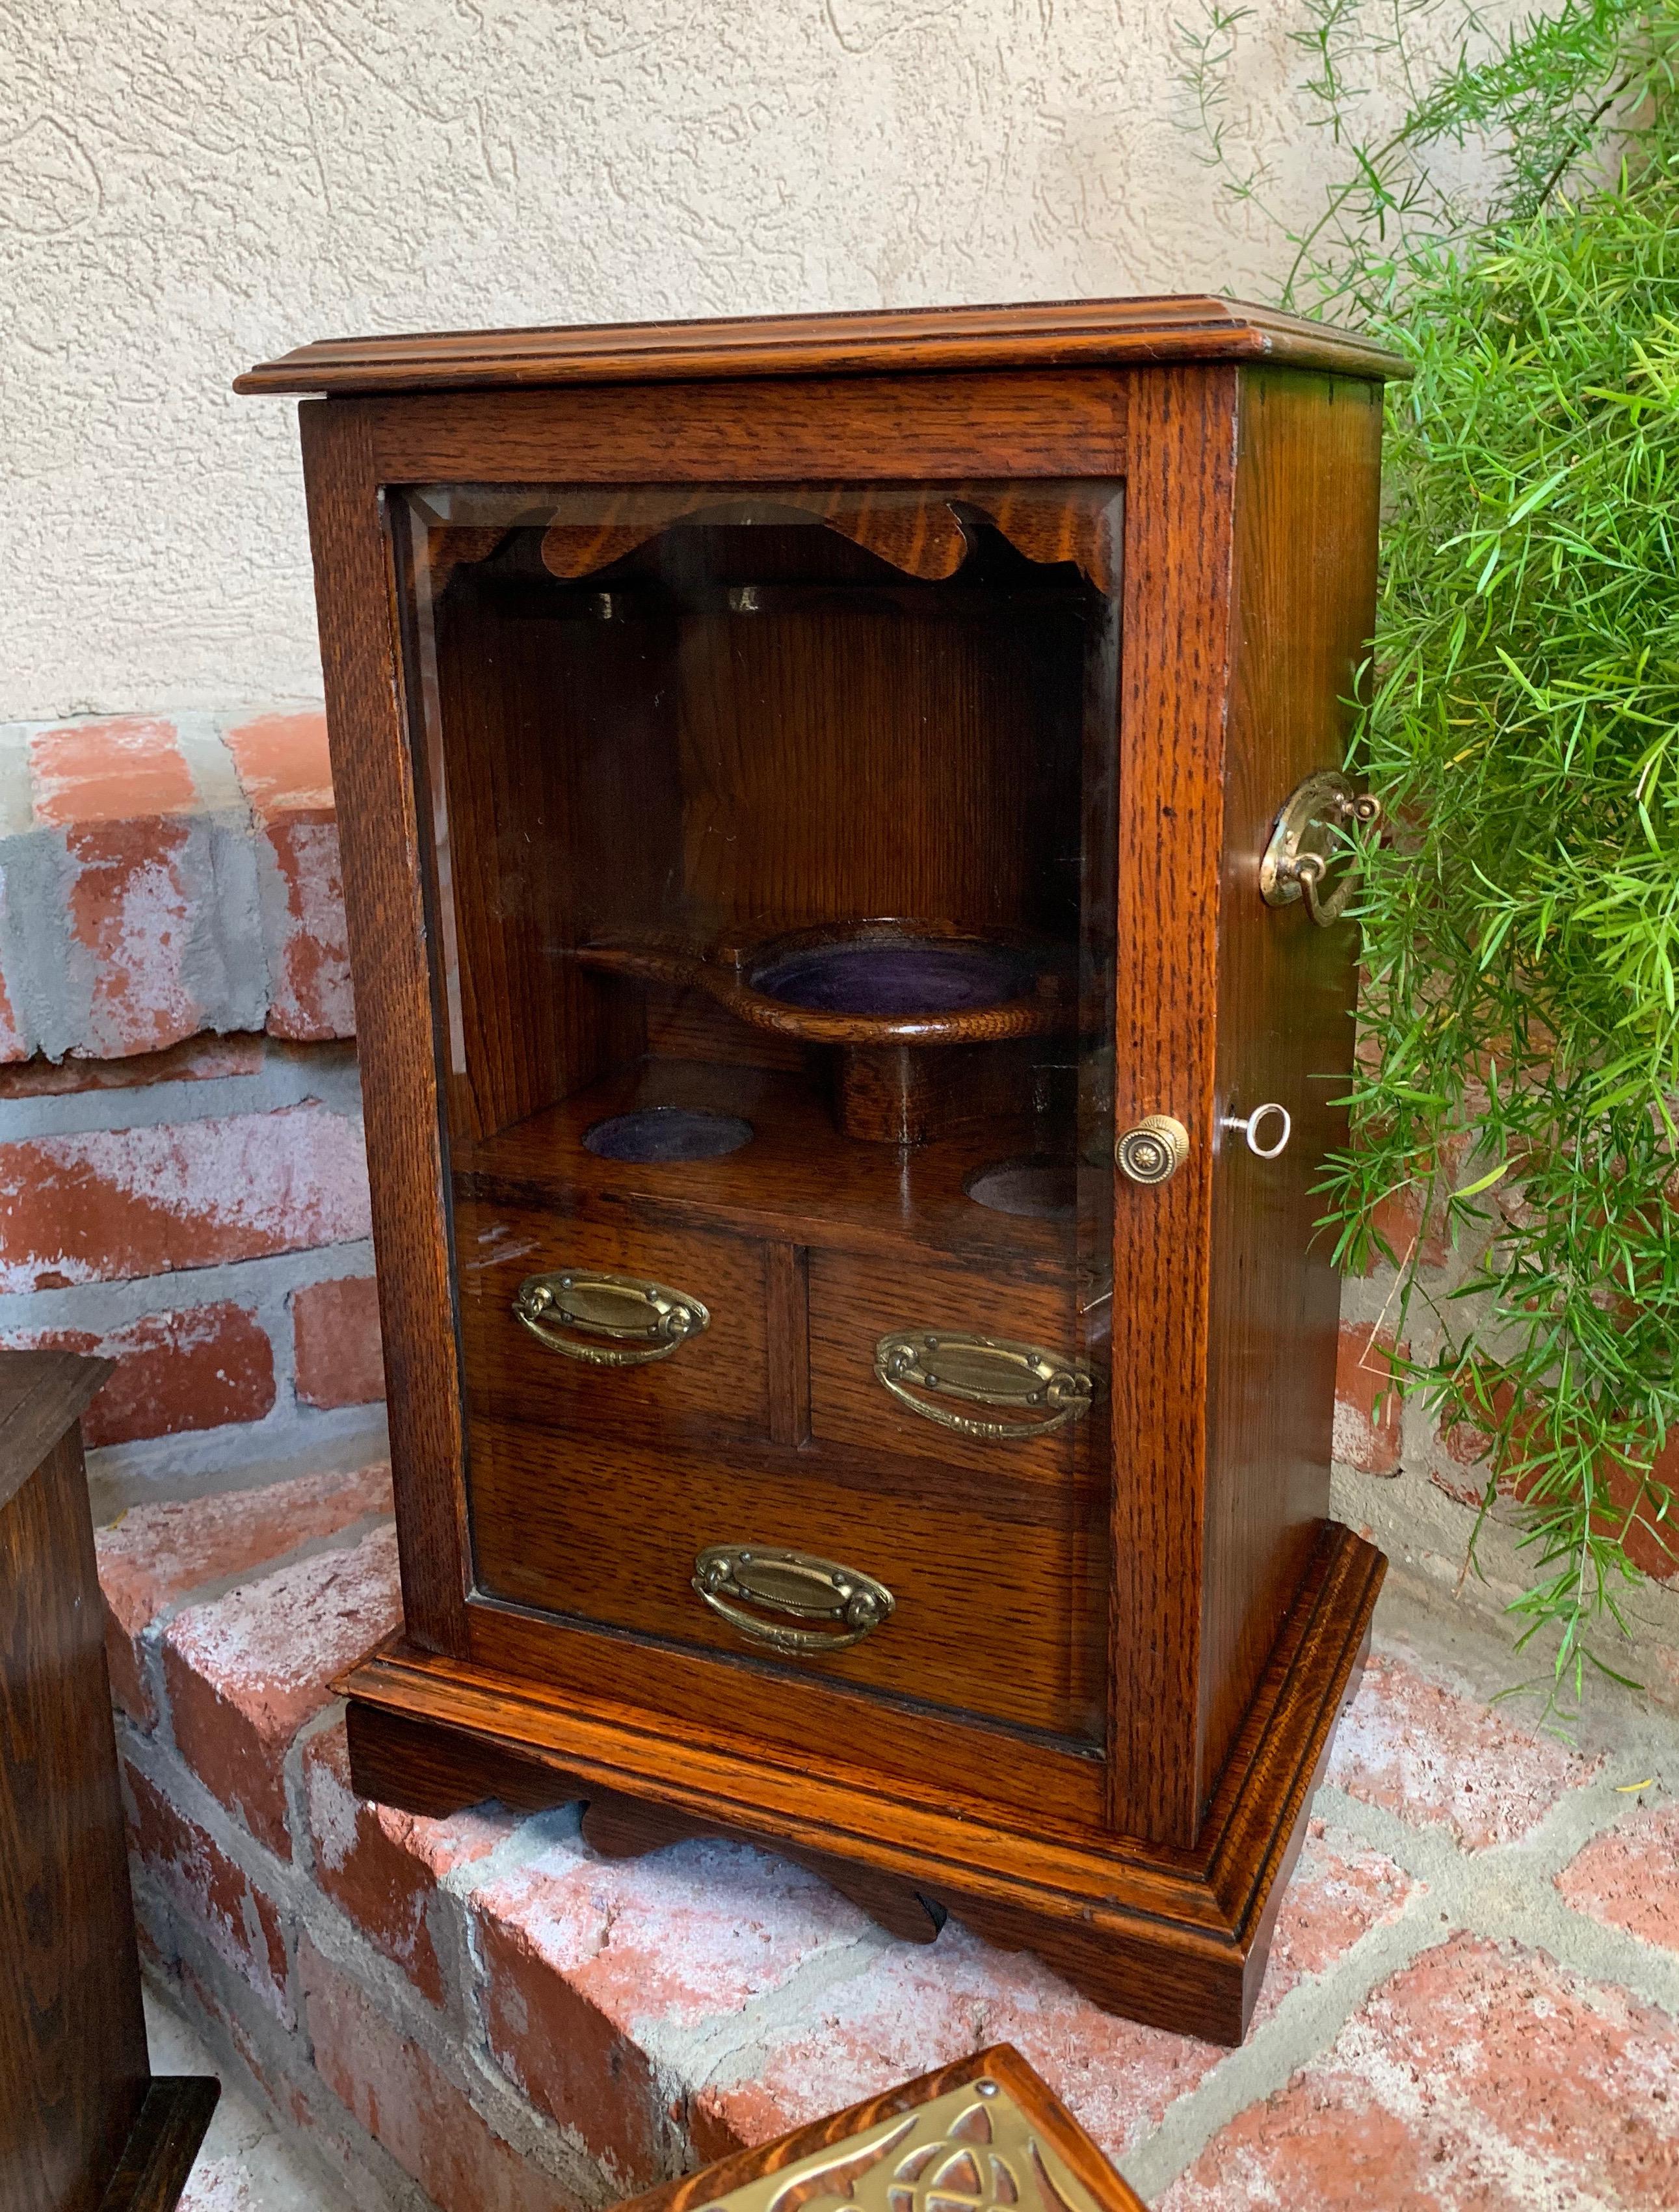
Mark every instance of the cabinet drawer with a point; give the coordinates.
(996, 1613)
(855, 1301)
(712, 1383)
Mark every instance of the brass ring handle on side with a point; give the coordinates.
(983, 1371)
(1296, 861)
(607, 1321)
(797, 1587)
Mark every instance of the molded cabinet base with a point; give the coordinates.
(1176, 1939)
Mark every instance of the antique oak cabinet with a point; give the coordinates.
(844, 841)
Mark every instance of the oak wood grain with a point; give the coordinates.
(854, 429)
(735, 1702)
(875, 341)
(1168, 1937)
(1304, 585)
(714, 1384)
(158, 2157)
(855, 1302)
(1127, 1809)
(1180, 492)
(604, 1719)
(378, 835)
(76, 2099)
(788, 1318)
(562, 819)
(844, 756)
(73, 2067)
(921, 531)
(581, 1524)
(41, 1392)
(798, 1181)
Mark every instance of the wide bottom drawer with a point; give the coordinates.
(998, 1615)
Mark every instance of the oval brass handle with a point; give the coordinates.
(983, 1371)
(796, 1586)
(639, 1321)
(1304, 842)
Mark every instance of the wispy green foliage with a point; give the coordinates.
(1521, 921)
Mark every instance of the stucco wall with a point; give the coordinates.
(187, 185)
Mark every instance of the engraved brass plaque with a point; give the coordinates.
(972, 2150)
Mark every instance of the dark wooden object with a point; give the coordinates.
(1094, 1723)
(1059, 334)
(999, 2064)
(82, 2120)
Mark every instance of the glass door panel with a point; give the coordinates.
(772, 838)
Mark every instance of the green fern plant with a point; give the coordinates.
(1521, 920)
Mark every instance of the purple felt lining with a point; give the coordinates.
(905, 978)
(663, 1135)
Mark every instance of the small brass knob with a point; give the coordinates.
(1154, 1151)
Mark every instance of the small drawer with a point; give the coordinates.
(855, 1302)
(998, 1614)
(639, 1331)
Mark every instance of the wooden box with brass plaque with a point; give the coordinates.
(846, 854)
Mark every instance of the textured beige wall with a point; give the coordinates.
(187, 185)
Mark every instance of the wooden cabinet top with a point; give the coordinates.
(41, 1392)
(1043, 334)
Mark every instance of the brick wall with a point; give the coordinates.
(1415, 1489)
(162, 878)
(183, 1186)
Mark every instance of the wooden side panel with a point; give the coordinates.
(73, 2067)
(373, 773)
(1178, 548)
(1308, 472)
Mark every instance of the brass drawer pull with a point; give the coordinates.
(639, 1321)
(730, 1577)
(983, 1371)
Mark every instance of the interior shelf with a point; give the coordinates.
(798, 1181)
